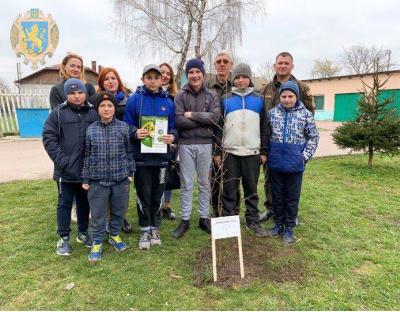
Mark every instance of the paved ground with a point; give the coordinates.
(22, 159)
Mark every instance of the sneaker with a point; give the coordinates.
(117, 242)
(168, 214)
(84, 238)
(155, 239)
(95, 252)
(182, 228)
(74, 217)
(205, 225)
(288, 235)
(63, 247)
(276, 230)
(126, 227)
(297, 221)
(257, 229)
(144, 240)
(265, 216)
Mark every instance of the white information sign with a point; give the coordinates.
(225, 227)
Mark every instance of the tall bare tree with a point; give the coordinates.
(183, 28)
(359, 59)
(266, 71)
(325, 69)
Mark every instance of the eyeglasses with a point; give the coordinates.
(222, 61)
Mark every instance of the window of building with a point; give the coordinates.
(319, 101)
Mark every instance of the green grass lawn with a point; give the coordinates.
(346, 258)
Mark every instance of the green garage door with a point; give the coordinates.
(346, 104)
(395, 94)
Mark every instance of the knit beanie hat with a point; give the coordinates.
(242, 69)
(291, 86)
(102, 96)
(72, 85)
(195, 63)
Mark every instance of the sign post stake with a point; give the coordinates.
(225, 227)
(240, 256)
(214, 259)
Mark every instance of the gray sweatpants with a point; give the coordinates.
(99, 197)
(195, 159)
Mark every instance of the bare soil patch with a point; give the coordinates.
(263, 259)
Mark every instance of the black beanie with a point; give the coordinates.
(101, 96)
(195, 63)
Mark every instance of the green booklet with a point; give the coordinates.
(157, 127)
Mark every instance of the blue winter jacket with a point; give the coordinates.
(146, 103)
(293, 140)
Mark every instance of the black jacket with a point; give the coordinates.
(57, 94)
(64, 139)
(205, 110)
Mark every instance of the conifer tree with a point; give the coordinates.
(377, 124)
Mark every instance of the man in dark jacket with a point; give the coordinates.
(283, 72)
(221, 83)
(196, 114)
(64, 140)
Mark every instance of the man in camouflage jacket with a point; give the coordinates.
(283, 72)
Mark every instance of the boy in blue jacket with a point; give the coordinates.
(293, 141)
(107, 172)
(64, 141)
(150, 100)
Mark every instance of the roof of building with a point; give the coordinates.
(389, 72)
(55, 68)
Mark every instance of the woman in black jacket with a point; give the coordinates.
(70, 67)
(168, 85)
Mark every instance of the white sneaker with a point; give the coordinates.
(155, 239)
(144, 240)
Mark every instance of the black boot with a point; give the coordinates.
(181, 229)
(205, 225)
(126, 226)
(167, 213)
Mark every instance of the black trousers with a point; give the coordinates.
(216, 194)
(149, 184)
(267, 189)
(286, 189)
(66, 194)
(247, 169)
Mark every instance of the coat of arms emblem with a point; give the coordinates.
(34, 36)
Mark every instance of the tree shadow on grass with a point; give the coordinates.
(264, 259)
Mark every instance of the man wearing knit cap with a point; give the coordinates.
(196, 115)
(283, 72)
(241, 150)
(64, 140)
(221, 83)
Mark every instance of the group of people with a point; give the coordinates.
(221, 131)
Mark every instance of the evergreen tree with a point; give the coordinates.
(377, 124)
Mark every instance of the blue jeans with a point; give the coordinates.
(167, 196)
(99, 198)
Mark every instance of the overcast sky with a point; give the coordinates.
(309, 29)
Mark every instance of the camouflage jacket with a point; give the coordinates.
(221, 89)
(271, 94)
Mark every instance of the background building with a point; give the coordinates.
(336, 97)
